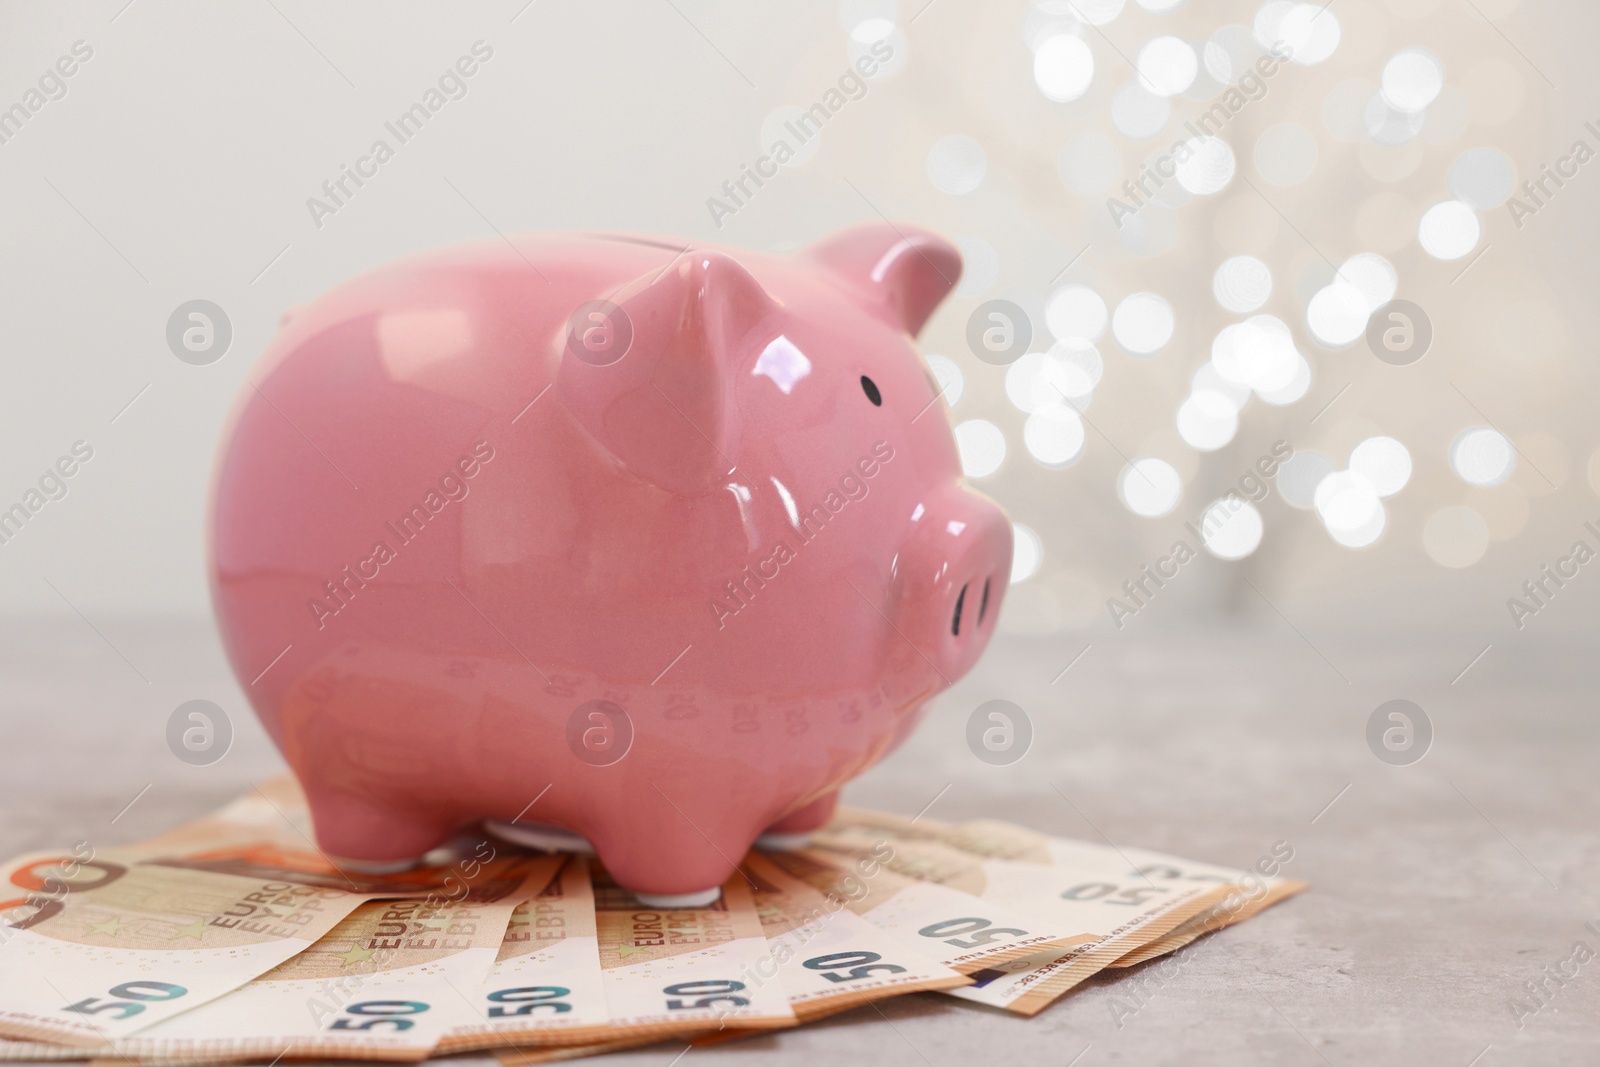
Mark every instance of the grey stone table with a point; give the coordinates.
(1440, 889)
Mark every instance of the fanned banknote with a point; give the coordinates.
(1235, 908)
(828, 958)
(546, 985)
(97, 947)
(683, 970)
(234, 939)
(121, 947)
(955, 928)
(388, 982)
(1254, 890)
(1122, 899)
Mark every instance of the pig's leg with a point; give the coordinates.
(794, 830)
(371, 837)
(669, 868)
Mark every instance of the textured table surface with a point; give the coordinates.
(1439, 889)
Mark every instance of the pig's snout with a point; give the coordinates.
(951, 577)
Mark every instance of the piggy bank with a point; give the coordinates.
(649, 545)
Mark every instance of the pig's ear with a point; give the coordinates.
(899, 272)
(650, 374)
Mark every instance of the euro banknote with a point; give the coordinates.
(1124, 900)
(545, 986)
(683, 970)
(233, 939)
(389, 981)
(953, 927)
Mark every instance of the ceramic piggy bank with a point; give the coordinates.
(652, 546)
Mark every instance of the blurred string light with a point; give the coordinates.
(1208, 168)
(1449, 230)
(1076, 312)
(1139, 114)
(1258, 357)
(1350, 509)
(1260, 354)
(1150, 487)
(1391, 114)
(1384, 463)
(1311, 31)
(1054, 435)
(1167, 65)
(1142, 324)
(1242, 284)
(1482, 456)
(947, 372)
(1412, 79)
(1063, 67)
(1349, 502)
(1052, 388)
(1207, 377)
(1207, 420)
(982, 446)
(1481, 179)
(1027, 553)
(1337, 315)
(868, 22)
(1067, 373)
(1228, 54)
(1231, 528)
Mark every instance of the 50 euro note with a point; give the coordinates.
(682, 970)
(1115, 900)
(387, 982)
(1250, 891)
(93, 949)
(1257, 891)
(828, 958)
(546, 985)
(670, 971)
(951, 926)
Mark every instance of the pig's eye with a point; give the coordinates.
(870, 387)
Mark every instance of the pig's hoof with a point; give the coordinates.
(544, 838)
(771, 842)
(344, 863)
(670, 901)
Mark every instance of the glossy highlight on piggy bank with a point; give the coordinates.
(647, 545)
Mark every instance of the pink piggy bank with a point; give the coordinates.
(655, 546)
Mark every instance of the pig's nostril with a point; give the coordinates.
(983, 602)
(955, 621)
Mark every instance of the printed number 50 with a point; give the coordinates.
(707, 992)
(380, 1011)
(838, 961)
(528, 999)
(131, 993)
(969, 926)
